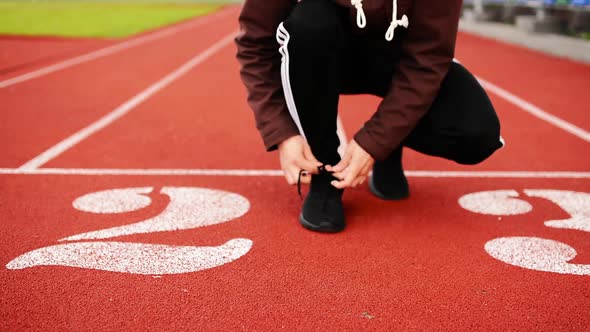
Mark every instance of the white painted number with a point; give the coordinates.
(496, 203)
(139, 258)
(188, 208)
(114, 200)
(531, 252)
(576, 204)
(536, 254)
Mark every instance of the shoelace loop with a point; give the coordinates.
(321, 169)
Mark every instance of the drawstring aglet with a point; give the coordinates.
(404, 22)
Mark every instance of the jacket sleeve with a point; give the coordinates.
(427, 50)
(260, 68)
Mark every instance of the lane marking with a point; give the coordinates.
(269, 172)
(127, 106)
(114, 48)
(535, 111)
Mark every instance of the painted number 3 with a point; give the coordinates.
(532, 252)
(188, 208)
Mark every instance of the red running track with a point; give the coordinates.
(417, 264)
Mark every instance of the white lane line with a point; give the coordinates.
(499, 174)
(126, 107)
(536, 111)
(159, 34)
(270, 172)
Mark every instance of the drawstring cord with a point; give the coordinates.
(361, 20)
(395, 23)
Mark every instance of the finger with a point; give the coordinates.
(307, 165)
(346, 181)
(366, 169)
(294, 174)
(358, 181)
(362, 175)
(288, 177)
(305, 178)
(340, 166)
(350, 174)
(341, 184)
(344, 162)
(340, 175)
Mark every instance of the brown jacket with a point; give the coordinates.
(427, 50)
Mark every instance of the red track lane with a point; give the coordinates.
(556, 85)
(417, 264)
(186, 119)
(79, 95)
(22, 54)
(201, 121)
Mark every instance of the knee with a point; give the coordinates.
(477, 147)
(315, 25)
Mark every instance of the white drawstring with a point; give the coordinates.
(361, 20)
(395, 23)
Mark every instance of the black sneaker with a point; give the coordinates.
(388, 181)
(322, 209)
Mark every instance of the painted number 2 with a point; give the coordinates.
(188, 208)
(532, 252)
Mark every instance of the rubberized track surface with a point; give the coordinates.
(202, 233)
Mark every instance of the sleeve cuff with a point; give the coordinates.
(364, 139)
(281, 131)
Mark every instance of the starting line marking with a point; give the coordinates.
(269, 172)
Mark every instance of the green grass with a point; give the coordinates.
(93, 19)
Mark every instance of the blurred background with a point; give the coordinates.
(568, 17)
(556, 27)
(110, 18)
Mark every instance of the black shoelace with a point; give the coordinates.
(321, 169)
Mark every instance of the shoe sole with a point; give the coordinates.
(321, 229)
(379, 194)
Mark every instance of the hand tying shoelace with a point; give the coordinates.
(321, 169)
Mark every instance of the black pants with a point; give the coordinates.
(325, 59)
